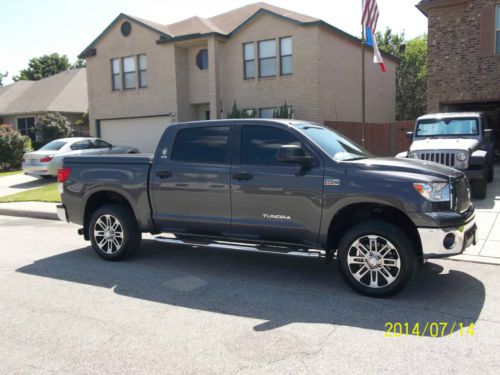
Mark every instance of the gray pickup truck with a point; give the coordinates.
(277, 186)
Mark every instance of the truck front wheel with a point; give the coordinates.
(114, 233)
(376, 258)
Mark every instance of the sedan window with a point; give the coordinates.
(82, 145)
(53, 146)
(99, 143)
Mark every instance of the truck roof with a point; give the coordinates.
(450, 115)
(238, 120)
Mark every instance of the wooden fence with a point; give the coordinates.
(382, 139)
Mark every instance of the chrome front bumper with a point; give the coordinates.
(61, 212)
(433, 240)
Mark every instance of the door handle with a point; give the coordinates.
(242, 176)
(164, 174)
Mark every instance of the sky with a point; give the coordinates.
(33, 28)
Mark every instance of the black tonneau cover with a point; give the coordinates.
(110, 159)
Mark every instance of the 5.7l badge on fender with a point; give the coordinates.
(331, 182)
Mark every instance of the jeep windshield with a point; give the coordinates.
(447, 127)
(338, 147)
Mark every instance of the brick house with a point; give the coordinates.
(143, 75)
(464, 56)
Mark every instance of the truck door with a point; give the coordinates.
(273, 200)
(190, 182)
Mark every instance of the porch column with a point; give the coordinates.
(213, 78)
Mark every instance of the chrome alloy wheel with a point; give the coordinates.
(373, 261)
(108, 234)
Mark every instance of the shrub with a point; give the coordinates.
(53, 126)
(285, 111)
(12, 147)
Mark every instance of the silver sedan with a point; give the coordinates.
(45, 161)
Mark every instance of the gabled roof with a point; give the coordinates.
(62, 92)
(223, 25)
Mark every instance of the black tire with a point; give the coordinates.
(479, 188)
(402, 253)
(130, 238)
(491, 173)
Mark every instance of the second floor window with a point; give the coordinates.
(248, 60)
(286, 56)
(143, 71)
(116, 75)
(497, 29)
(267, 58)
(129, 74)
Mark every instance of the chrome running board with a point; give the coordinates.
(227, 245)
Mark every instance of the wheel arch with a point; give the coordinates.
(99, 198)
(355, 213)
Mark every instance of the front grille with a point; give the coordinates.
(460, 197)
(446, 158)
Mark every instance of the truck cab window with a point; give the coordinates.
(260, 144)
(201, 145)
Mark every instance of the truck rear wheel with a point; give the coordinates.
(479, 188)
(377, 259)
(114, 233)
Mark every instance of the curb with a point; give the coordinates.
(30, 214)
(476, 259)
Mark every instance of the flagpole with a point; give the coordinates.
(363, 112)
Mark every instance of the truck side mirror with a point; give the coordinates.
(409, 135)
(293, 154)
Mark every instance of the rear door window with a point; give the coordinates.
(201, 145)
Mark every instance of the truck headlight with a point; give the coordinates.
(433, 191)
(461, 156)
(413, 155)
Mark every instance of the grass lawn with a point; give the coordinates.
(47, 193)
(2, 174)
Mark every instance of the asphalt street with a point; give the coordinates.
(187, 310)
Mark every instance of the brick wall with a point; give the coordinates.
(381, 139)
(457, 71)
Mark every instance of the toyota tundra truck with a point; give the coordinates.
(280, 186)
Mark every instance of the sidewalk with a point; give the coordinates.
(37, 210)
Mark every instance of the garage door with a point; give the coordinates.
(143, 133)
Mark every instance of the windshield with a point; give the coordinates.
(334, 144)
(447, 127)
(53, 146)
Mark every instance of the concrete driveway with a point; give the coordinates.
(20, 182)
(488, 221)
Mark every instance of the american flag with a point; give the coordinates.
(369, 21)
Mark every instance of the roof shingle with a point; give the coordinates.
(62, 92)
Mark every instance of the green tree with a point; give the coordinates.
(2, 76)
(411, 75)
(79, 63)
(44, 66)
(12, 147)
(241, 113)
(53, 126)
